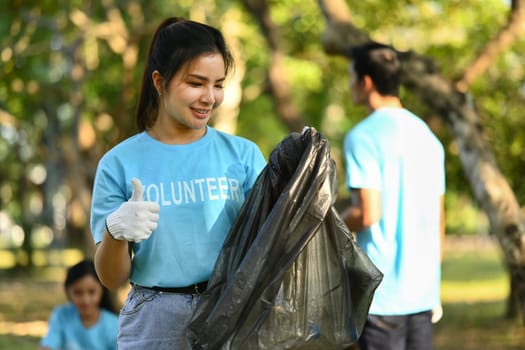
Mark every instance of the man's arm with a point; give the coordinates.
(365, 209)
(442, 225)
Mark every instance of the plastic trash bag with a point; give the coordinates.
(289, 275)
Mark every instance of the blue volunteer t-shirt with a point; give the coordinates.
(66, 331)
(200, 188)
(395, 152)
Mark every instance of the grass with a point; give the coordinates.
(25, 304)
(474, 290)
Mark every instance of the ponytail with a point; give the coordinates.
(145, 114)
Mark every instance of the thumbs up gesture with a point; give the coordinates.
(135, 219)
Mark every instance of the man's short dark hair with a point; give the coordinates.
(381, 63)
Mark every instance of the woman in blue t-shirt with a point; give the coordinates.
(88, 320)
(165, 199)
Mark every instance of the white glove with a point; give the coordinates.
(135, 219)
(437, 313)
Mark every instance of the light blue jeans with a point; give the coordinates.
(155, 320)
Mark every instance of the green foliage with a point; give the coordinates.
(464, 217)
(257, 119)
(502, 102)
(61, 82)
(453, 33)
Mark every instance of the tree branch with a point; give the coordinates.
(340, 33)
(279, 86)
(501, 41)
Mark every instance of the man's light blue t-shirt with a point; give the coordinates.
(66, 331)
(395, 152)
(200, 188)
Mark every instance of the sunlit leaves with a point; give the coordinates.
(70, 70)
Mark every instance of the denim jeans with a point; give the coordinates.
(406, 332)
(155, 320)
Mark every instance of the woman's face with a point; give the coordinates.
(86, 294)
(194, 93)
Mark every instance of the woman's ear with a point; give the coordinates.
(158, 82)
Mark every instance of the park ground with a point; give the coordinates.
(474, 291)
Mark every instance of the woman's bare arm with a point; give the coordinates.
(112, 261)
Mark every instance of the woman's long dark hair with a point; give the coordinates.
(85, 268)
(176, 42)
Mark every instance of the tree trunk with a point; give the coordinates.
(278, 85)
(226, 117)
(457, 109)
(27, 245)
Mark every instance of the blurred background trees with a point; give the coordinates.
(70, 71)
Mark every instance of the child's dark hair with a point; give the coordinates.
(381, 63)
(85, 268)
(176, 42)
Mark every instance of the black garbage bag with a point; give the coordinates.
(289, 276)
